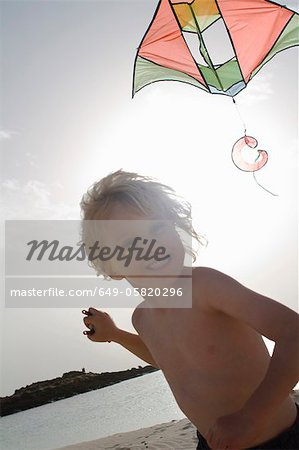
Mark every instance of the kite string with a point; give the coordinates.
(267, 190)
(240, 116)
(244, 126)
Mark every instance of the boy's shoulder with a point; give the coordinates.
(213, 289)
(217, 292)
(204, 272)
(204, 279)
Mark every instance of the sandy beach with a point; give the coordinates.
(177, 434)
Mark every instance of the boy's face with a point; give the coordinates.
(157, 254)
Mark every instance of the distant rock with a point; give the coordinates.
(70, 384)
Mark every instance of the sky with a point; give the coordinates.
(68, 119)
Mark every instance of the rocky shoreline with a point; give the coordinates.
(70, 384)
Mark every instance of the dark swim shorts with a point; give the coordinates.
(287, 440)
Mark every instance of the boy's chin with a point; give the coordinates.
(117, 277)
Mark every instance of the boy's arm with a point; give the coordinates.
(272, 320)
(134, 344)
(104, 329)
(223, 294)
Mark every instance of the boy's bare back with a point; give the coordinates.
(212, 359)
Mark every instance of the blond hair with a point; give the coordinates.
(142, 193)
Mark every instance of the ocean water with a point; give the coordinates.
(140, 402)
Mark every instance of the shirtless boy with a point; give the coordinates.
(212, 355)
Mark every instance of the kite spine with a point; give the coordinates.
(206, 57)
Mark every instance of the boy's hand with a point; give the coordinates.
(235, 431)
(101, 326)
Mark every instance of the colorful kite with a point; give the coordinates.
(257, 29)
